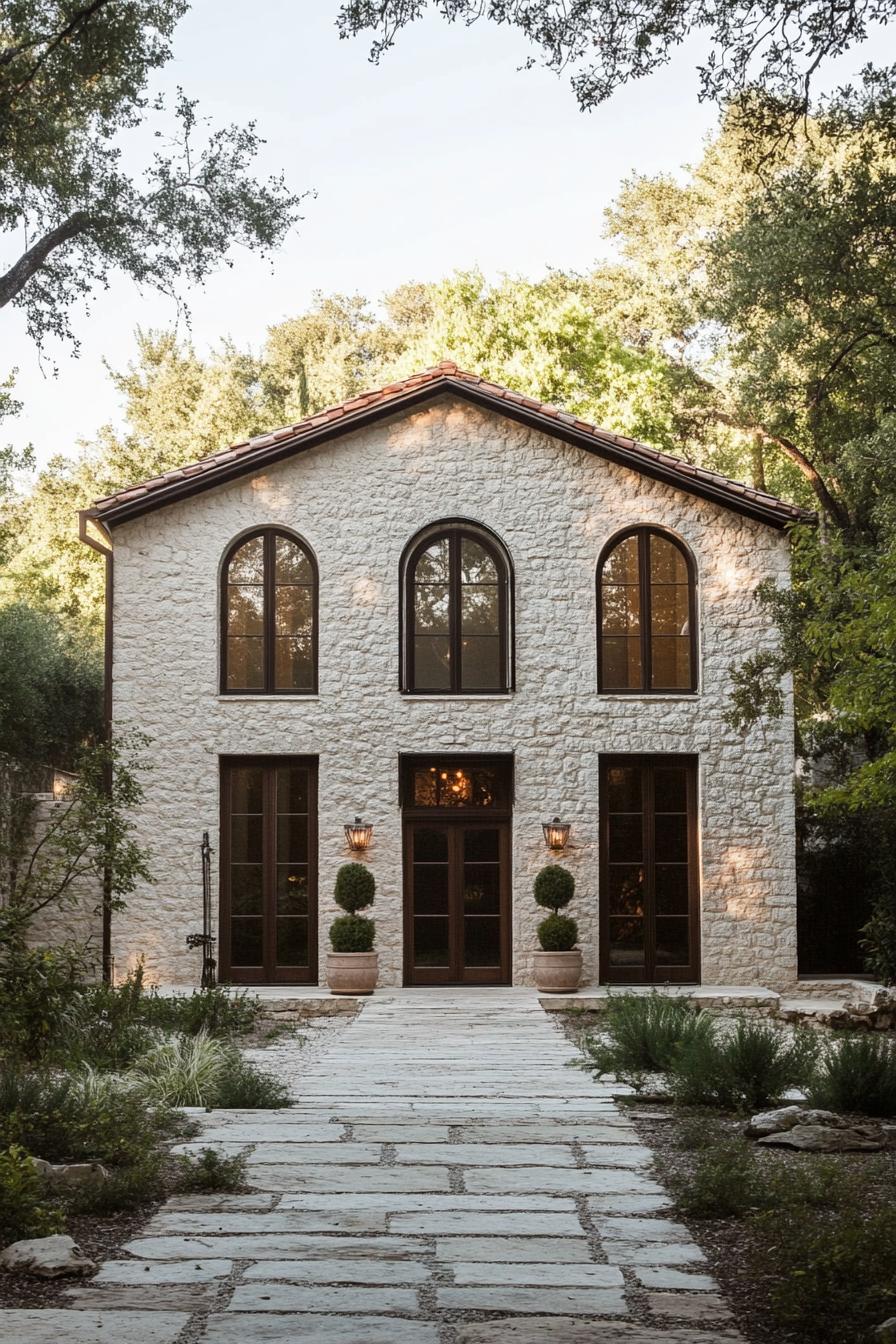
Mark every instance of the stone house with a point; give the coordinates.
(457, 614)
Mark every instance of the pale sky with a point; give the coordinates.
(445, 155)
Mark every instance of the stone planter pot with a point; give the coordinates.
(352, 972)
(558, 972)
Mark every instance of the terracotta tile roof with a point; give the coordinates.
(254, 454)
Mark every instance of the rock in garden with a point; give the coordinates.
(886, 1332)
(783, 1119)
(70, 1175)
(827, 1139)
(46, 1258)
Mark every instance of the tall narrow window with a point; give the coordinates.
(269, 616)
(647, 614)
(456, 614)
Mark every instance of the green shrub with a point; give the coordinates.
(729, 1181)
(211, 1172)
(857, 1073)
(558, 933)
(647, 1033)
(79, 1117)
(355, 887)
(127, 1187)
(212, 1012)
(554, 887)
(39, 1000)
(246, 1087)
(24, 1209)
(833, 1274)
(352, 933)
(748, 1068)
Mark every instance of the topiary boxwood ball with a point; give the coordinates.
(558, 933)
(352, 933)
(554, 887)
(355, 887)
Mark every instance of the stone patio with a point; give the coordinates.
(443, 1177)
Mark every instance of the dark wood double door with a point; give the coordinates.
(268, 911)
(649, 870)
(457, 874)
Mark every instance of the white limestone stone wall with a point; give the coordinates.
(357, 501)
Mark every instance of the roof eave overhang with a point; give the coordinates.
(270, 454)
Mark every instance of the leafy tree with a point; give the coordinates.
(777, 45)
(74, 78)
(51, 687)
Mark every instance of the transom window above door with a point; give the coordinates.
(269, 616)
(646, 614)
(456, 606)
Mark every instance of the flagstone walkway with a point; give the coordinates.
(442, 1178)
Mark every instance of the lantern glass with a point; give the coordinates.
(358, 833)
(556, 833)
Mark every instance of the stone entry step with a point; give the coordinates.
(444, 1177)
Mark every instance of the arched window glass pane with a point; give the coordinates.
(457, 599)
(646, 634)
(269, 610)
(245, 617)
(293, 617)
(670, 616)
(621, 624)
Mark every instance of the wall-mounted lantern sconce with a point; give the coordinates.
(556, 833)
(358, 833)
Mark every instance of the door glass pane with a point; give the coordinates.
(621, 609)
(430, 889)
(292, 788)
(670, 789)
(621, 565)
(246, 839)
(293, 663)
(292, 942)
(626, 840)
(292, 839)
(247, 562)
(426, 788)
(245, 663)
(246, 888)
(669, 609)
(246, 789)
(624, 788)
(625, 889)
(431, 942)
(432, 663)
(626, 938)
(430, 846)
(292, 889)
(621, 663)
(670, 837)
(432, 567)
(671, 888)
(482, 844)
(482, 942)
(672, 942)
(481, 663)
(245, 609)
(245, 942)
(482, 889)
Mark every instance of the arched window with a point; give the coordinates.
(269, 616)
(456, 604)
(646, 614)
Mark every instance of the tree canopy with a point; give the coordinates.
(74, 83)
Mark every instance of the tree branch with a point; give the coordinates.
(18, 275)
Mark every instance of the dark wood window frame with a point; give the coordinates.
(648, 763)
(456, 530)
(644, 532)
(270, 535)
(286, 975)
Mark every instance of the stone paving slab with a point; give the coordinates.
(530, 1275)
(58, 1326)
(340, 1271)
(487, 1154)
(560, 1301)
(514, 1249)
(174, 1271)
(348, 1180)
(576, 1330)
(298, 1329)
(185, 1297)
(401, 1203)
(273, 1247)
(359, 1298)
(553, 1180)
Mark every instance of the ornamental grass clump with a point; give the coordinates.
(355, 890)
(745, 1069)
(553, 890)
(647, 1033)
(857, 1073)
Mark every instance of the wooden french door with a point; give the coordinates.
(649, 870)
(268, 907)
(457, 902)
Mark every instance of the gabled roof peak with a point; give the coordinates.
(367, 407)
